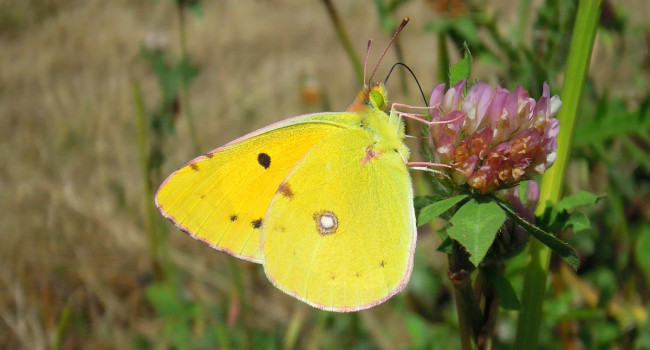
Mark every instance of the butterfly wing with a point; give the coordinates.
(221, 198)
(341, 233)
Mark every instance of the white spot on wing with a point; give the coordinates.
(326, 222)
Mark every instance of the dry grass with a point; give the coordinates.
(71, 197)
(72, 232)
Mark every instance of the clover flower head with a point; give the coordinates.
(493, 138)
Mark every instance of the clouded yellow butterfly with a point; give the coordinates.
(323, 201)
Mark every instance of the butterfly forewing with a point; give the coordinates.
(221, 198)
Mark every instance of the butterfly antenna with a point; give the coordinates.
(399, 29)
(365, 63)
(426, 103)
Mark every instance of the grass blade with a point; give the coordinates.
(535, 278)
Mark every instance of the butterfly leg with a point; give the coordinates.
(394, 112)
(435, 171)
(396, 116)
(397, 105)
(425, 166)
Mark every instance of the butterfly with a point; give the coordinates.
(324, 201)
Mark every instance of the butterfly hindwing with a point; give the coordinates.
(221, 198)
(342, 234)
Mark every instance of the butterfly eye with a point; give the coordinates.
(377, 99)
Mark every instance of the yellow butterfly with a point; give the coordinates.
(324, 201)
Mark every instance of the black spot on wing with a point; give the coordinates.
(256, 223)
(264, 160)
(194, 167)
(233, 218)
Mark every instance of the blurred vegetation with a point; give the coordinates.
(100, 100)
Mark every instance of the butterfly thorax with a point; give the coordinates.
(388, 131)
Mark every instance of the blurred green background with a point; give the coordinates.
(76, 249)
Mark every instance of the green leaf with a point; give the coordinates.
(578, 222)
(558, 246)
(522, 188)
(386, 22)
(507, 296)
(467, 28)
(638, 154)
(195, 8)
(186, 71)
(417, 328)
(178, 331)
(461, 69)
(163, 300)
(420, 202)
(475, 225)
(579, 199)
(643, 340)
(614, 120)
(434, 210)
(445, 246)
(642, 251)
(439, 26)
(488, 58)
(605, 280)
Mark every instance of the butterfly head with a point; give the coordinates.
(373, 96)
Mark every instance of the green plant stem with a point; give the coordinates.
(443, 58)
(143, 149)
(464, 330)
(293, 329)
(62, 325)
(522, 23)
(535, 278)
(344, 38)
(237, 296)
(185, 96)
(485, 296)
(471, 308)
(469, 312)
(222, 336)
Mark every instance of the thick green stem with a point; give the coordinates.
(345, 39)
(469, 313)
(486, 296)
(464, 330)
(532, 298)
